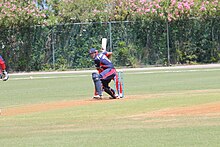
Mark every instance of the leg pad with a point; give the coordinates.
(97, 83)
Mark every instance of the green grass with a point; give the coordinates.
(37, 90)
(121, 123)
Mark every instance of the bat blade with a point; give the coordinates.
(104, 44)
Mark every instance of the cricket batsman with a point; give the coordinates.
(106, 73)
(3, 73)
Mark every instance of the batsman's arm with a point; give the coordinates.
(98, 66)
(108, 54)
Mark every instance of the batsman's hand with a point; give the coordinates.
(100, 69)
(109, 55)
(5, 75)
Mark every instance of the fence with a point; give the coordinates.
(136, 43)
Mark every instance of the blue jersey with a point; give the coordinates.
(101, 61)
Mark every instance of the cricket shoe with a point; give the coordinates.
(4, 75)
(115, 97)
(121, 95)
(97, 97)
(118, 96)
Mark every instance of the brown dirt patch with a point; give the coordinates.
(48, 106)
(42, 107)
(197, 110)
(203, 109)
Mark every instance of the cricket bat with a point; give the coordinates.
(104, 44)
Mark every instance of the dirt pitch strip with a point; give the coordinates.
(202, 109)
(208, 109)
(43, 107)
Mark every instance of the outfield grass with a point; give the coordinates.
(125, 122)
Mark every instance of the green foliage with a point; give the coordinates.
(174, 10)
(134, 44)
(26, 13)
(75, 11)
(195, 41)
(151, 41)
(192, 36)
(16, 13)
(125, 55)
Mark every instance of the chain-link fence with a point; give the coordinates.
(137, 43)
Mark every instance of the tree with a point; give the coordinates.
(16, 13)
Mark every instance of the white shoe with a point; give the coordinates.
(121, 95)
(97, 97)
(5, 76)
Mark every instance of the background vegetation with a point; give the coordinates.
(52, 34)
